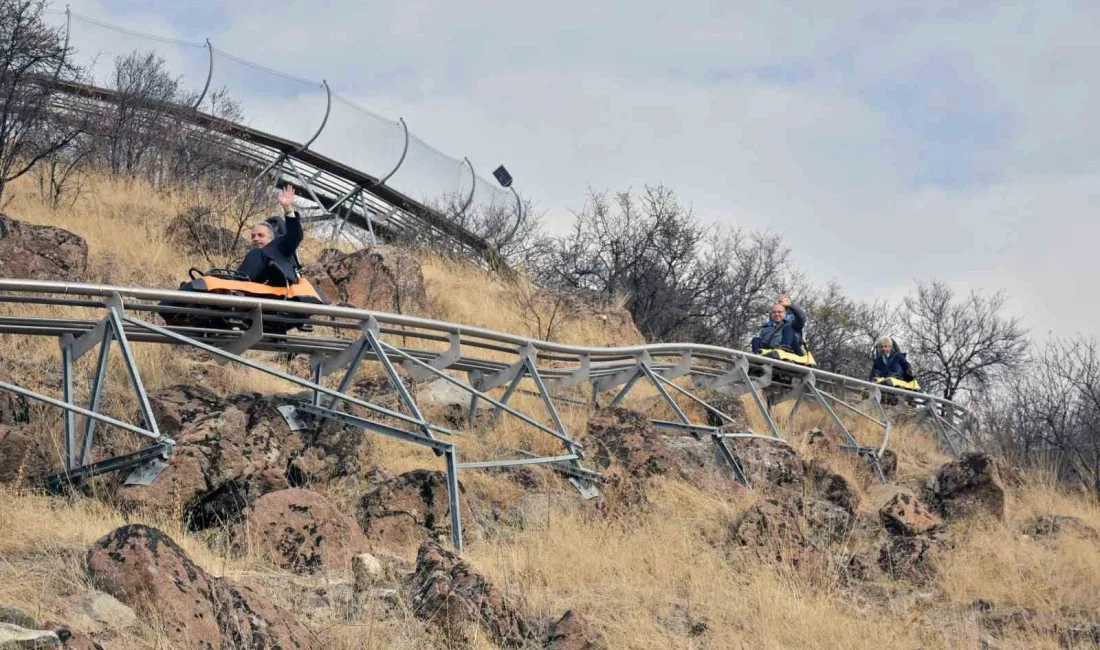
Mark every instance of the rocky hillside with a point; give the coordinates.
(257, 536)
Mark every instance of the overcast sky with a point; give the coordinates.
(887, 142)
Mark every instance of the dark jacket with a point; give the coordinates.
(786, 335)
(274, 264)
(895, 365)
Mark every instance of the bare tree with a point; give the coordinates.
(1048, 414)
(61, 175)
(546, 311)
(960, 345)
(647, 248)
(753, 268)
(32, 55)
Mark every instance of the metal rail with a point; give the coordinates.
(491, 360)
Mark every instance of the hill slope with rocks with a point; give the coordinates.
(260, 536)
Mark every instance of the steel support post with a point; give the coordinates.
(648, 372)
(626, 388)
(67, 394)
(452, 497)
(97, 392)
(829, 409)
(760, 405)
(371, 333)
(114, 313)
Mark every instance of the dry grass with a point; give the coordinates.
(660, 578)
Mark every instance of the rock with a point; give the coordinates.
(769, 463)
(699, 458)
(453, 401)
(25, 459)
(1086, 635)
(236, 451)
(905, 514)
(730, 405)
(196, 233)
(907, 558)
(180, 406)
(33, 252)
(823, 522)
(367, 570)
(14, 409)
(147, 570)
(1053, 526)
(831, 487)
(381, 278)
(627, 450)
(969, 486)
(409, 508)
(299, 530)
(450, 595)
(96, 611)
(820, 441)
(17, 617)
(773, 528)
(14, 637)
(888, 461)
(572, 632)
(71, 640)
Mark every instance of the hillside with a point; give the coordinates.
(675, 554)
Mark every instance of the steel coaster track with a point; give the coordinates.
(489, 359)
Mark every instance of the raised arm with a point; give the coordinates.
(289, 241)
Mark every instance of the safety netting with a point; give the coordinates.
(304, 112)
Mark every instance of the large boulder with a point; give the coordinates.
(33, 252)
(147, 570)
(905, 514)
(408, 508)
(452, 402)
(969, 486)
(382, 278)
(460, 602)
(235, 451)
(628, 451)
(180, 406)
(301, 531)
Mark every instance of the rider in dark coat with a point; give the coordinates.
(272, 258)
(890, 361)
(783, 329)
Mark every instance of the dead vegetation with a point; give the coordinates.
(661, 575)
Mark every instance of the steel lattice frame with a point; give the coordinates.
(552, 369)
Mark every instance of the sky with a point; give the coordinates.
(887, 142)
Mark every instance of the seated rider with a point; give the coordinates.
(272, 258)
(783, 330)
(890, 361)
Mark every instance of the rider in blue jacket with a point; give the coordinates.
(890, 361)
(783, 329)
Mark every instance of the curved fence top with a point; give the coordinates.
(301, 110)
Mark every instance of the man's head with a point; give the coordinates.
(778, 313)
(885, 346)
(262, 235)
